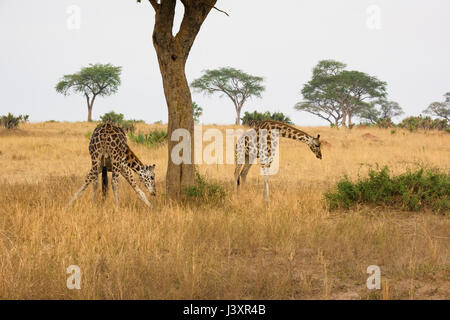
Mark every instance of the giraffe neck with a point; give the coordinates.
(133, 161)
(287, 131)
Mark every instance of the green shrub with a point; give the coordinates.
(151, 139)
(115, 118)
(204, 192)
(425, 123)
(256, 116)
(411, 191)
(385, 123)
(11, 122)
(119, 120)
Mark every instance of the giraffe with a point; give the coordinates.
(110, 152)
(247, 149)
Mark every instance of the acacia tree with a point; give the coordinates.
(380, 110)
(235, 84)
(95, 80)
(440, 109)
(172, 52)
(358, 88)
(336, 95)
(320, 95)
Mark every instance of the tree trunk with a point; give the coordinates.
(90, 104)
(179, 105)
(238, 116)
(172, 52)
(350, 119)
(89, 113)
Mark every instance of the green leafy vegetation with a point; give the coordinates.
(10, 121)
(336, 95)
(92, 81)
(119, 120)
(410, 191)
(256, 116)
(205, 192)
(232, 83)
(151, 139)
(425, 123)
(197, 111)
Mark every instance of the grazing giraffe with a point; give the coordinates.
(247, 148)
(109, 152)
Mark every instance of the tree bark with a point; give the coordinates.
(89, 105)
(172, 52)
(238, 116)
(89, 113)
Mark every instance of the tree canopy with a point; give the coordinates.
(380, 110)
(92, 81)
(235, 84)
(440, 109)
(336, 95)
(197, 111)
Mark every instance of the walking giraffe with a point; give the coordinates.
(110, 152)
(247, 148)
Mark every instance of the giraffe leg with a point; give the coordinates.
(237, 173)
(244, 172)
(92, 175)
(115, 184)
(128, 175)
(95, 188)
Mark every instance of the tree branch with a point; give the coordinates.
(154, 4)
(195, 13)
(221, 11)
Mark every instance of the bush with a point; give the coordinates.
(410, 191)
(205, 192)
(385, 123)
(11, 122)
(115, 118)
(119, 120)
(425, 123)
(151, 139)
(256, 116)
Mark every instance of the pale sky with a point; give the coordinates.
(279, 40)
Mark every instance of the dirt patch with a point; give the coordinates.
(361, 127)
(369, 136)
(325, 143)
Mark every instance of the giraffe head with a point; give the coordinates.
(147, 177)
(314, 145)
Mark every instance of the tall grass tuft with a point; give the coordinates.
(205, 192)
(410, 191)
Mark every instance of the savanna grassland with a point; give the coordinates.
(234, 249)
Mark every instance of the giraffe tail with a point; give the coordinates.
(104, 181)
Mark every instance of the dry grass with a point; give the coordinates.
(295, 249)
